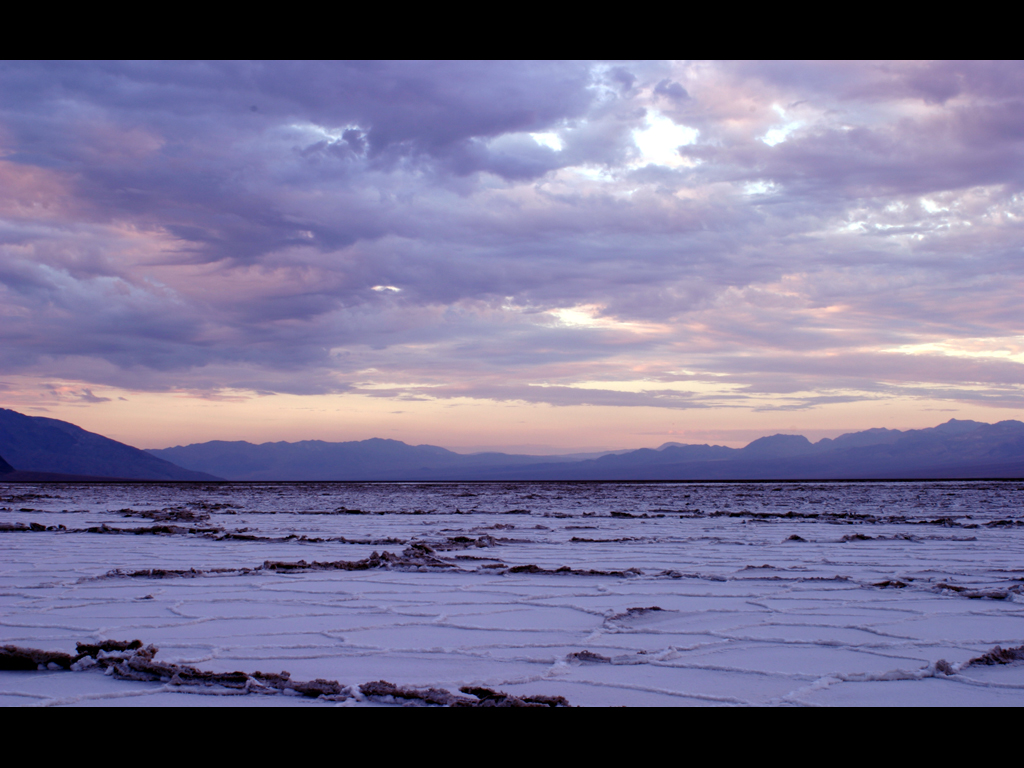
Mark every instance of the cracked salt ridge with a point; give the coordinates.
(418, 556)
(129, 660)
(724, 638)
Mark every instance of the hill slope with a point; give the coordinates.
(41, 445)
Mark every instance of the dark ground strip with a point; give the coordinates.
(419, 556)
(126, 660)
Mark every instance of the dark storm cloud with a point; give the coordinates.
(289, 226)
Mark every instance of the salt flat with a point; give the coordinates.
(668, 594)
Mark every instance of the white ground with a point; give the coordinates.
(747, 615)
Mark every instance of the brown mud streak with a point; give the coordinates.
(13, 657)
(210, 532)
(998, 656)
(580, 539)
(170, 514)
(978, 594)
(414, 556)
(634, 613)
(588, 657)
(482, 697)
(30, 528)
(153, 530)
(131, 661)
(466, 542)
(567, 571)
(417, 556)
(169, 573)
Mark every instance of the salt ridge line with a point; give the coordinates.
(419, 557)
(130, 660)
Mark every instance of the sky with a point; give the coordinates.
(540, 257)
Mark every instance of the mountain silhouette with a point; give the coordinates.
(49, 449)
(956, 449)
(37, 449)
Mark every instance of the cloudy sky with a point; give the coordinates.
(538, 256)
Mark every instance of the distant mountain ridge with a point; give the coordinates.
(40, 449)
(954, 449)
(373, 459)
(958, 448)
(34, 448)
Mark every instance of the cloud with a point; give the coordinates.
(671, 90)
(86, 396)
(67, 394)
(395, 223)
(551, 395)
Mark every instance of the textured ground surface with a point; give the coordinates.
(606, 594)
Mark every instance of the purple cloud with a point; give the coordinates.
(488, 228)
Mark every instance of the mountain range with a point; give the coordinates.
(957, 448)
(33, 447)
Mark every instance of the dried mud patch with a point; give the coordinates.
(15, 498)
(856, 537)
(567, 571)
(621, 539)
(29, 527)
(382, 691)
(587, 657)
(414, 557)
(13, 658)
(170, 514)
(170, 573)
(488, 697)
(996, 656)
(130, 660)
(977, 594)
(152, 530)
(465, 542)
(632, 615)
